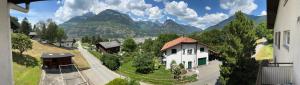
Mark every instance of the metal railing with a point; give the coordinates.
(275, 73)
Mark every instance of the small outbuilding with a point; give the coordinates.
(53, 60)
(33, 35)
(108, 47)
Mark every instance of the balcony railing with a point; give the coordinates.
(275, 73)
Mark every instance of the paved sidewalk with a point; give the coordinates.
(208, 74)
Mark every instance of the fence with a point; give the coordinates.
(275, 73)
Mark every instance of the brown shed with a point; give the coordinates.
(53, 60)
(108, 47)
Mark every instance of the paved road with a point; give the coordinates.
(98, 74)
(208, 74)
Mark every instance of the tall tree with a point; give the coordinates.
(21, 42)
(51, 32)
(263, 31)
(25, 26)
(61, 35)
(238, 67)
(129, 45)
(15, 25)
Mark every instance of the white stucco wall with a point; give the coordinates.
(287, 20)
(6, 76)
(179, 57)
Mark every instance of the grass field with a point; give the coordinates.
(27, 70)
(265, 53)
(158, 77)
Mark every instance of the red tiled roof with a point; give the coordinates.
(178, 41)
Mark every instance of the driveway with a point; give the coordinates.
(208, 74)
(98, 74)
(68, 77)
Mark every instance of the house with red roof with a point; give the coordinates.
(185, 50)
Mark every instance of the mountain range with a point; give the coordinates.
(113, 24)
(220, 25)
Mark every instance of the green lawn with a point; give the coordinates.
(160, 76)
(95, 53)
(26, 70)
(265, 53)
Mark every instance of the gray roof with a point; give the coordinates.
(110, 44)
(32, 33)
(56, 55)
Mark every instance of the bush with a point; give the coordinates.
(21, 42)
(176, 70)
(191, 78)
(119, 81)
(144, 63)
(129, 45)
(111, 61)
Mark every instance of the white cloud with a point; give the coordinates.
(181, 10)
(207, 8)
(72, 8)
(263, 13)
(209, 20)
(246, 6)
(155, 13)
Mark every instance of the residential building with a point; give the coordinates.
(284, 17)
(185, 50)
(108, 47)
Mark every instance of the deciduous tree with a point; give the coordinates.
(21, 42)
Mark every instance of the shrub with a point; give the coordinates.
(144, 63)
(181, 66)
(111, 61)
(21, 42)
(191, 78)
(176, 71)
(118, 81)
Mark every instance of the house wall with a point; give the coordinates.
(179, 57)
(286, 19)
(6, 74)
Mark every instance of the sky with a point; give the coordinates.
(198, 13)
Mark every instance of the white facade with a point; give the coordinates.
(287, 35)
(183, 56)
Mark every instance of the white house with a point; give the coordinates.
(186, 51)
(284, 17)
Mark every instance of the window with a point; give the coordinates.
(286, 38)
(190, 51)
(174, 51)
(183, 51)
(201, 49)
(277, 39)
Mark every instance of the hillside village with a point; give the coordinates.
(110, 48)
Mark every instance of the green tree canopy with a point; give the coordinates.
(238, 67)
(144, 62)
(129, 45)
(21, 42)
(25, 27)
(263, 31)
(14, 23)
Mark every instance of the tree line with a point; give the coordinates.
(46, 31)
(236, 43)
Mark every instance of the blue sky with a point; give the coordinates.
(199, 13)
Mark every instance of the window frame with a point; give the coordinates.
(286, 38)
(173, 51)
(201, 49)
(190, 51)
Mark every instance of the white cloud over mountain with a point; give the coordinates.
(246, 6)
(144, 11)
